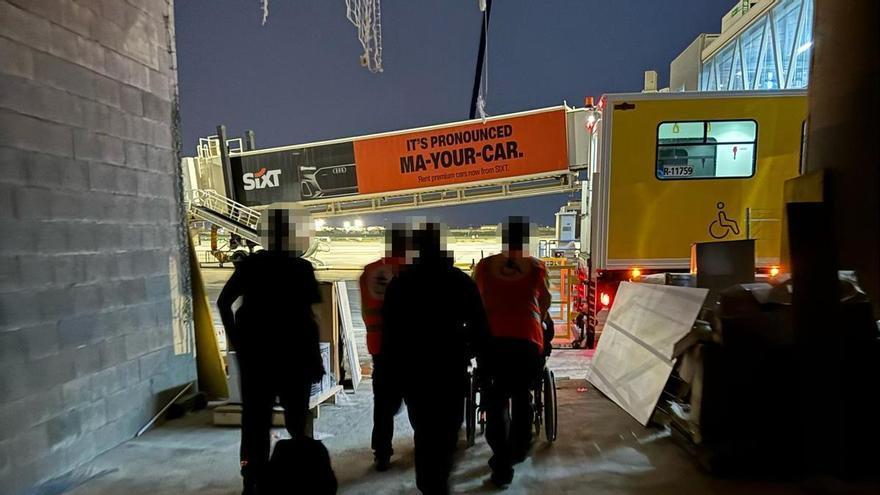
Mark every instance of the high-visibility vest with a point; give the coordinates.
(373, 282)
(512, 302)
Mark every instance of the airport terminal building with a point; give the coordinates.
(763, 44)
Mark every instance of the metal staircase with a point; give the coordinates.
(210, 206)
(236, 218)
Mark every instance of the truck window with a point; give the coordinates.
(706, 149)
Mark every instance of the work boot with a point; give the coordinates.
(249, 487)
(383, 463)
(502, 473)
(502, 478)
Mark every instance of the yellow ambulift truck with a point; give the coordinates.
(672, 169)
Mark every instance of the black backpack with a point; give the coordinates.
(300, 466)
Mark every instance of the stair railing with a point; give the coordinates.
(221, 205)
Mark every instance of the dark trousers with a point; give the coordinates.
(259, 390)
(436, 414)
(387, 399)
(514, 366)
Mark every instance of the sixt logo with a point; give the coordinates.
(261, 179)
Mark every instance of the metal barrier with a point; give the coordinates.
(563, 285)
(756, 219)
(765, 227)
(546, 248)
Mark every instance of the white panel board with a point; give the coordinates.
(635, 354)
(347, 329)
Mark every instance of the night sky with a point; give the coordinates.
(297, 79)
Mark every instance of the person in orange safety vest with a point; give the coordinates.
(386, 398)
(515, 291)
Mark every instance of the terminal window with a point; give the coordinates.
(706, 149)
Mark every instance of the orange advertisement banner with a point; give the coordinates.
(508, 147)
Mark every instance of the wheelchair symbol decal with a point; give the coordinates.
(722, 226)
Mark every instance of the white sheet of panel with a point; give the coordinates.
(346, 325)
(635, 354)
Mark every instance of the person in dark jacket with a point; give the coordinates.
(433, 319)
(274, 334)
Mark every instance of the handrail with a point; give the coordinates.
(224, 206)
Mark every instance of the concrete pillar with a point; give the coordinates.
(843, 131)
(840, 233)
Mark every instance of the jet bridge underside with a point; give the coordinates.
(461, 194)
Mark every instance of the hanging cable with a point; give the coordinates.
(484, 84)
(481, 75)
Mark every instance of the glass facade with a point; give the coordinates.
(772, 53)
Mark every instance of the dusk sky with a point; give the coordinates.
(297, 79)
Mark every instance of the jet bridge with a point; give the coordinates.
(517, 155)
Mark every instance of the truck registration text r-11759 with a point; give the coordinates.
(678, 171)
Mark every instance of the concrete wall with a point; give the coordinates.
(93, 287)
(684, 70)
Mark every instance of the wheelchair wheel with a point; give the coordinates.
(470, 411)
(550, 412)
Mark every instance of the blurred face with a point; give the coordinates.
(287, 231)
(515, 235)
(429, 242)
(397, 240)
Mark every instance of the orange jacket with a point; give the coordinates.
(515, 297)
(373, 282)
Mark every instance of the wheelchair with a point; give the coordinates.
(544, 405)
